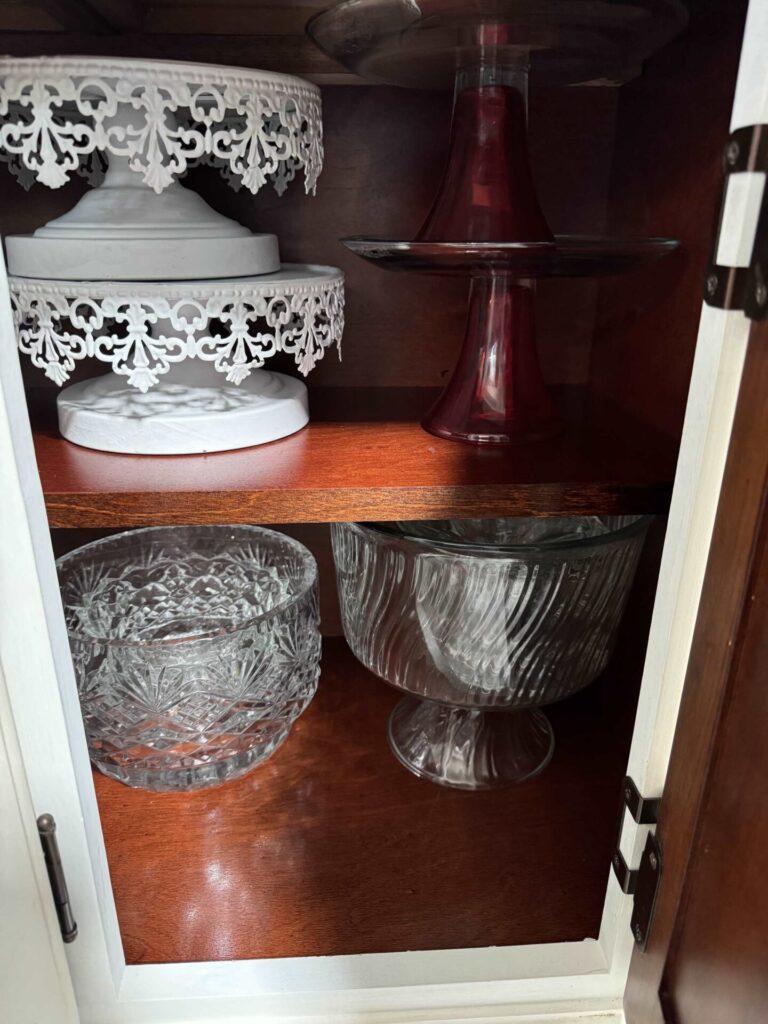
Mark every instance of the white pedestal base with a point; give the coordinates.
(141, 259)
(191, 413)
(123, 231)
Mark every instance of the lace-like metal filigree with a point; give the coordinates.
(140, 330)
(164, 116)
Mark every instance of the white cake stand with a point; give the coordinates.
(184, 304)
(150, 121)
(186, 357)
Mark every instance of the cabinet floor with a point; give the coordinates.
(331, 847)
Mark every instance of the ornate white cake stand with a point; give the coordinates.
(186, 357)
(146, 123)
(184, 304)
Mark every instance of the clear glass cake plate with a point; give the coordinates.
(566, 256)
(419, 43)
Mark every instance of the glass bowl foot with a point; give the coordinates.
(467, 748)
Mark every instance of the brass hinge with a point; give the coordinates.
(642, 883)
(46, 828)
(743, 287)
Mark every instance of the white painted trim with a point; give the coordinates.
(561, 984)
(750, 101)
(714, 389)
(34, 977)
(566, 978)
(465, 1015)
(34, 654)
(709, 417)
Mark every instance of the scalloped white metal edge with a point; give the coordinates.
(237, 325)
(255, 125)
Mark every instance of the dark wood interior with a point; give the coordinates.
(252, 33)
(671, 127)
(331, 847)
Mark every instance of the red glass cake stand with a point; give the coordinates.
(486, 222)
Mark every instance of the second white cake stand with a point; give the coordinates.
(186, 357)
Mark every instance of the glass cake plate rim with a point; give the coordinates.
(640, 522)
(309, 578)
(365, 36)
(567, 256)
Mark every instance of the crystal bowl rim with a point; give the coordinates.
(475, 549)
(308, 581)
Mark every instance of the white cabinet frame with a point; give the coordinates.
(575, 981)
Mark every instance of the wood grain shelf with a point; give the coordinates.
(332, 848)
(363, 457)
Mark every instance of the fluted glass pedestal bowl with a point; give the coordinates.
(195, 649)
(481, 622)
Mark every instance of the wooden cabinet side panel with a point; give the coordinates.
(717, 971)
(720, 612)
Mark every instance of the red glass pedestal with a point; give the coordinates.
(496, 394)
(486, 225)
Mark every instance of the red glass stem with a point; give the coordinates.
(496, 394)
(487, 193)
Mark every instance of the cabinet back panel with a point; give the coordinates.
(671, 128)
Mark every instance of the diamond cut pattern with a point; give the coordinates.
(175, 711)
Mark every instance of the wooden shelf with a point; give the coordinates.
(332, 848)
(363, 457)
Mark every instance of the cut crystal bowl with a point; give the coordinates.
(472, 618)
(195, 649)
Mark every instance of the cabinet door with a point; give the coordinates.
(35, 985)
(706, 960)
(34, 978)
(717, 967)
(37, 770)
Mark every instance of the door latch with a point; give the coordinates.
(46, 827)
(744, 286)
(642, 883)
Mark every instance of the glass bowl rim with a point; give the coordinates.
(473, 549)
(307, 582)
